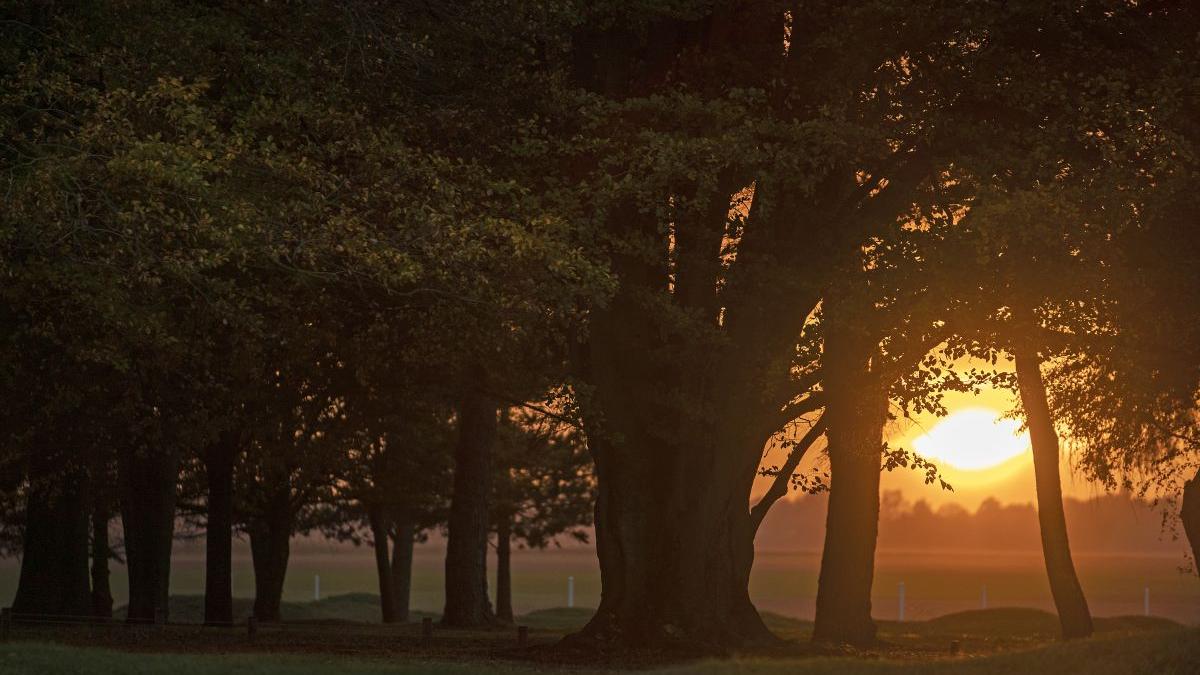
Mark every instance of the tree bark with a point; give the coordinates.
(504, 608)
(270, 540)
(402, 559)
(54, 559)
(148, 495)
(383, 564)
(1189, 513)
(218, 564)
(673, 529)
(855, 409)
(1072, 606)
(466, 544)
(674, 564)
(102, 600)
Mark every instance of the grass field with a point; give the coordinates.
(984, 642)
(784, 583)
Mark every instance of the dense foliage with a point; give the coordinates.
(513, 269)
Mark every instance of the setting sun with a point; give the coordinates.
(973, 439)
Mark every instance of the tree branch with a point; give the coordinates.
(779, 487)
(798, 409)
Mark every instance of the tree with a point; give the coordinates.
(543, 489)
(1128, 395)
(395, 480)
(1064, 584)
(689, 364)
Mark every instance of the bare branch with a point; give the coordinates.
(779, 487)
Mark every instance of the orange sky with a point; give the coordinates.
(1009, 481)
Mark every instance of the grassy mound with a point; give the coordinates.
(1023, 621)
(561, 619)
(999, 621)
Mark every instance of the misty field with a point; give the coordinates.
(783, 583)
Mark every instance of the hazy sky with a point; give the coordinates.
(1010, 480)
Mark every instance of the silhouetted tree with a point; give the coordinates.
(543, 489)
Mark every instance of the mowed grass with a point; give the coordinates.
(330, 639)
(1174, 651)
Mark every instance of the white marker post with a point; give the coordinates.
(983, 598)
(570, 591)
(1146, 601)
(316, 587)
(901, 601)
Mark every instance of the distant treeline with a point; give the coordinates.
(1105, 524)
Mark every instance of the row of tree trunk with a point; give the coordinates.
(62, 519)
(394, 568)
(54, 576)
(66, 526)
(60, 516)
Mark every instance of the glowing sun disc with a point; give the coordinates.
(973, 439)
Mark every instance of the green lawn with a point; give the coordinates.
(329, 637)
(1167, 652)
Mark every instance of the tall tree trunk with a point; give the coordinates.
(218, 555)
(403, 536)
(673, 529)
(102, 600)
(54, 559)
(1072, 607)
(504, 608)
(856, 410)
(270, 541)
(383, 564)
(466, 544)
(148, 495)
(674, 422)
(1189, 513)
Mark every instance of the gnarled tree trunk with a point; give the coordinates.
(383, 563)
(684, 399)
(1072, 606)
(674, 562)
(148, 494)
(403, 536)
(467, 537)
(218, 555)
(673, 530)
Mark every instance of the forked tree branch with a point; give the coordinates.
(779, 487)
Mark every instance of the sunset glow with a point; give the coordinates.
(973, 439)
